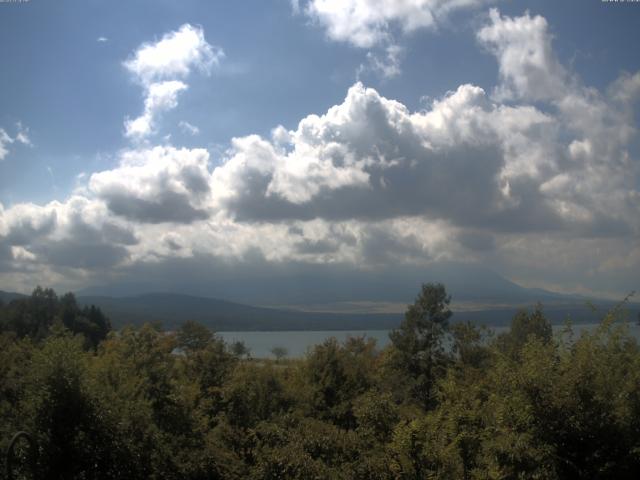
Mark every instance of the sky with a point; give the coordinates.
(177, 144)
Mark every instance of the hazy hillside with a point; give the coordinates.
(173, 309)
(465, 283)
(6, 297)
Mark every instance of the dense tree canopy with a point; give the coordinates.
(418, 342)
(441, 401)
(35, 316)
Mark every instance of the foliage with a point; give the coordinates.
(35, 316)
(442, 401)
(279, 352)
(418, 342)
(524, 326)
(193, 336)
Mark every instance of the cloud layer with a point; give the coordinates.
(538, 178)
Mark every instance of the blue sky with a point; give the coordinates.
(66, 94)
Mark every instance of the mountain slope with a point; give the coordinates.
(174, 309)
(304, 286)
(6, 297)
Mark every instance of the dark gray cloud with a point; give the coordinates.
(477, 240)
(381, 246)
(167, 206)
(107, 232)
(173, 244)
(316, 246)
(459, 185)
(87, 246)
(75, 254)
(5, 255)
(75, 235)
(28, 226)
(257, 281)
(157, 185)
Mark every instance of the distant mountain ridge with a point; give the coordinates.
(478, 295)
(171, 310)
(174, 309)
(465, 283)
(6, 297)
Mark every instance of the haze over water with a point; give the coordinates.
(298, 343)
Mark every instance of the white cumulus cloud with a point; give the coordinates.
(161, 184)
(174, 56)
(529, 68)
(365, 23)
(159, 68)
(161, 96)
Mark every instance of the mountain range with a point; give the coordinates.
(479, 295)
(300, 287)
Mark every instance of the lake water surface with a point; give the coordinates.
(298, 342)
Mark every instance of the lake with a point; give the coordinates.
(298, 342)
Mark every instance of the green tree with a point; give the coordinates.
(240, 349)
(75, 439)
(155, 400)
(34, 317)
(418, 343)
(193, 336)
(525, 325)
(376, 415)
(252, 394)
(89, 321)
(469, 345)
(337, 375)
(279, 352)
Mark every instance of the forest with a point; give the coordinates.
(445, 399)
